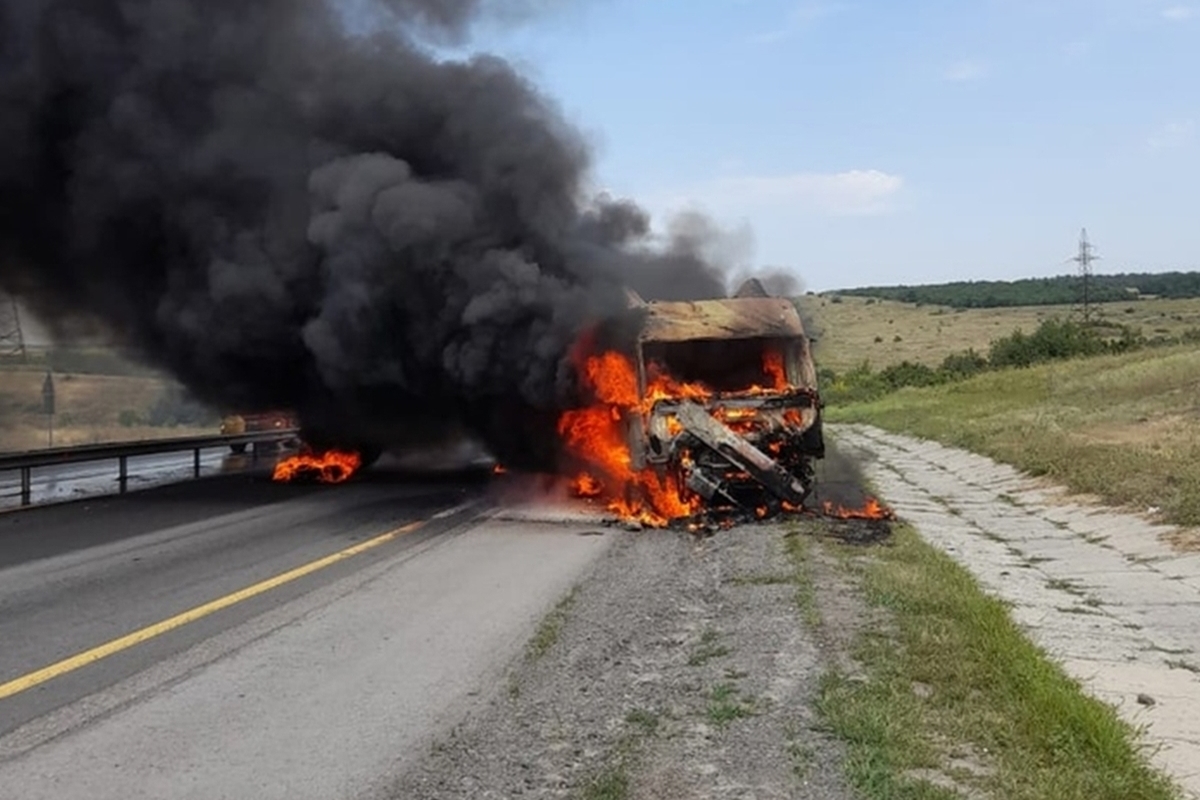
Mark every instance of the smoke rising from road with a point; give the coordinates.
(282, 214)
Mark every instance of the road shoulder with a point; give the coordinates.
(1102, 592)
(681, 668)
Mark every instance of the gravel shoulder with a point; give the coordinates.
(1108, 595)
(680, 667)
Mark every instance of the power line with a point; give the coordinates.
(12, 339)
(1084, 260)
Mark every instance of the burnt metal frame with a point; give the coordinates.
(27, 461)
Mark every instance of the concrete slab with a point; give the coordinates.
(1182, 566)
(1101, 592)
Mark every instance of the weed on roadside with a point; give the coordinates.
(612, 781)
(725, 704)
(611, 784)
(798, 546)
(550, 627)
(708, 648)
(988, 688)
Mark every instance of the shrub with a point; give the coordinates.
(906, 373)
(1053, 339)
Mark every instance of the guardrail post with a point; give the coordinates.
(26, 462)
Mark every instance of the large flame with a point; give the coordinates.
(596, 435)
(332, 466)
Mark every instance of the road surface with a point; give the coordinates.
(233, 638)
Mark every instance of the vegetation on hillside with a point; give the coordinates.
(1121, 427)
(1060, 290)
(1054, 339)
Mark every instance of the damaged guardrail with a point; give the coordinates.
(121, 452)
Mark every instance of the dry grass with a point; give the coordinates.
(927, 334)
(90, 409)
(1124, 428)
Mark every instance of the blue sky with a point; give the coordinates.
(879, 141)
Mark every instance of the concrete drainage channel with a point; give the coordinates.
(1100, 591)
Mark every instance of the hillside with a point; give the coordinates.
(1124, 428)
(1059, 290)
(99, 397)
(851, 330)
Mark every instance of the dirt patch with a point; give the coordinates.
(682, 668)
(1148, 432)
(1184, 540)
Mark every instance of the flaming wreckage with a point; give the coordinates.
(708, 406)
(686, 409)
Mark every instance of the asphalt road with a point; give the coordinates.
(235, 638)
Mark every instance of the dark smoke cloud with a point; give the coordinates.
(283, 214)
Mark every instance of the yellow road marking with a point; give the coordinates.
(179, 620)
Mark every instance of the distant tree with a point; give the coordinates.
(1059, 290)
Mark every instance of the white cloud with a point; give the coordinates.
(1172, 135)
(850, 193)
(1178, 13)
(968, 69)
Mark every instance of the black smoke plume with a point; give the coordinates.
(283, 214)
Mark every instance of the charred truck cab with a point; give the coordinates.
(729, 399)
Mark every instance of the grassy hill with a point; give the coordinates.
(851, 330)
(1059, 290)
(99, 397)
(1125, 428)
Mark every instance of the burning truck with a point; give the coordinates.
(697, 407)
(683, 409)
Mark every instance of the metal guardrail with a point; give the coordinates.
(27, 461)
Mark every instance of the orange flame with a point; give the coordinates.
(872, 509)
(596, 434)
(332, 466)
(774, 369)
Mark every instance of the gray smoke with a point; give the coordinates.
(283, 214)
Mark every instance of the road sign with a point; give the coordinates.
(48, 394)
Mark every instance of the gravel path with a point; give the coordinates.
(1103, 592)
(680, 668)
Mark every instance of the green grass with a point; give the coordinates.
(549, 629)
(611, 784)
(612, 780)
(1123, 428)
(798, 549)
(707, 649)
(726, 704)
(994, 714)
